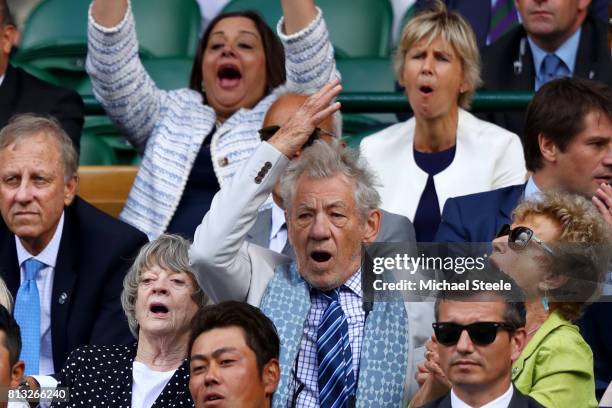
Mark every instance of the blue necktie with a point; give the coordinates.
(553, 68)
(27, 315)
(336, 377)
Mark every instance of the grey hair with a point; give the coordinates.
(324, 160)
(6, 299)
(438, 22)
(170, 252)
(25, 126)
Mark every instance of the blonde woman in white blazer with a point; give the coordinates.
(439, 65)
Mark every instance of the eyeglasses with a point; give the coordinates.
(481, 333)
(267, 132)
(519, 237)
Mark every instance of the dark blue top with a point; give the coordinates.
(427, 217)
(199, 191)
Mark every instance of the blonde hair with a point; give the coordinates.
(581, 252)
(438, 22)
(6, 299)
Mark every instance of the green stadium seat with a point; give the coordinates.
(95, 152)
(55, 34)
(358, 28)
(366, 75)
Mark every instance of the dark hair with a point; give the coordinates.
(514, 298)
(5, 14)
(12, 334)
(259, 331)
(558, 111)
(273, 49)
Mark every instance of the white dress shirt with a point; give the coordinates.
(278, 230)
(1, 79)
(44, 283)
(502, 401)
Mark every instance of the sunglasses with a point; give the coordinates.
(267, 132)
(519, 237)
(481, 333)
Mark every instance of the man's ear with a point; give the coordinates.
(548, 148)
(8, 36)
(518, 341)
(70, 189)
(17, 374)
(372, 225)
(271, 376)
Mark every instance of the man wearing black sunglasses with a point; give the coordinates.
(478, 336)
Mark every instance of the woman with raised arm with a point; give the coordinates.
(193, 140)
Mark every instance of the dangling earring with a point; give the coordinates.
(202, 87)
(545, 300)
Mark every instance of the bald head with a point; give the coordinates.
(286, 105)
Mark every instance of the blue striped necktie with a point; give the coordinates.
(336, 377)
(27, 315)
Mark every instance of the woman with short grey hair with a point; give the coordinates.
(160, 297)
(443, 151)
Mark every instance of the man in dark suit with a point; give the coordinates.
(21, 92)
(57, 251)
(568, 146)
(557, 38)
(270, 229)
(477, 360)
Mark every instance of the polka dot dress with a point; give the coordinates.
(101, 376)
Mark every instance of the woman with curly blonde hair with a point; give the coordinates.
(558, 251)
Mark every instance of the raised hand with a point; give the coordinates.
(291, 137)
(603, 202)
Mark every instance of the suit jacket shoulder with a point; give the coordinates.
(477, 217)
(518, 400)
(21, 92)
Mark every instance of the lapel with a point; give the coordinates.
(586, 58)
(507, 205)
(118, 392)
(66, 269)
(554, 321)
(9, 264)
(518, 400)
(174, 392)
(526, 79)
(8, 94)
(259, 233)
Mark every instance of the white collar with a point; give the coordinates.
(503, 401)
(532, 191)
(278, 219)
(1, 79)
(48, 256)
